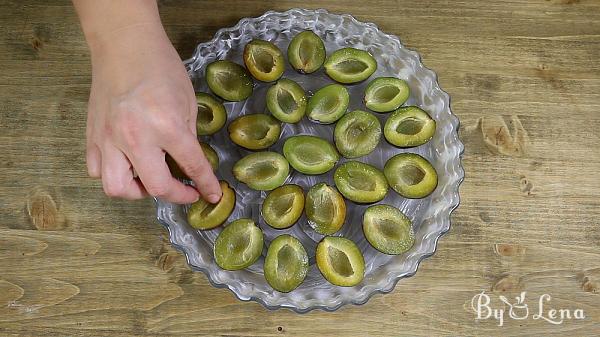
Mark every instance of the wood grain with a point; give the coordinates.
(524, 77)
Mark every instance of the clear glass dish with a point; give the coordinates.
(430, 216)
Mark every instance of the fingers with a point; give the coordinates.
(117, 176)
(190, 158)
(154, 173)
(93, 161)
(93, 157)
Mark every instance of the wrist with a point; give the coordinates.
(127, 40)
(108, 23)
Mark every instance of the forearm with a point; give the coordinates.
(122, 35)
(104, 22)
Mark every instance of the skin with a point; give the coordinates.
(141, 106)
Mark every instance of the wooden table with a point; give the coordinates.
(524, 76)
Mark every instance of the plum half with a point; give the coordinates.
(286, 264)
(387, 229)
(211, 114)
(286, 100)
(306, 52)
(360, 182)
(264, 60)
(385, 94)
(254, 131)
(328, 104)
(229, 80)
(204, 215)
(325, 209)
(357, 134)
(409, 127)
(262, 171)
(411, 175)
(350, 65)
(310, 154)
(283, 206)
(238, 245)
(340, 261)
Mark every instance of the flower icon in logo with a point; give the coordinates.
(519, 310)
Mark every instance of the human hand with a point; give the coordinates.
(142, 105)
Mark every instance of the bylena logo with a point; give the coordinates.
(519, 310)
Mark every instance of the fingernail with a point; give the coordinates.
(214, 198)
